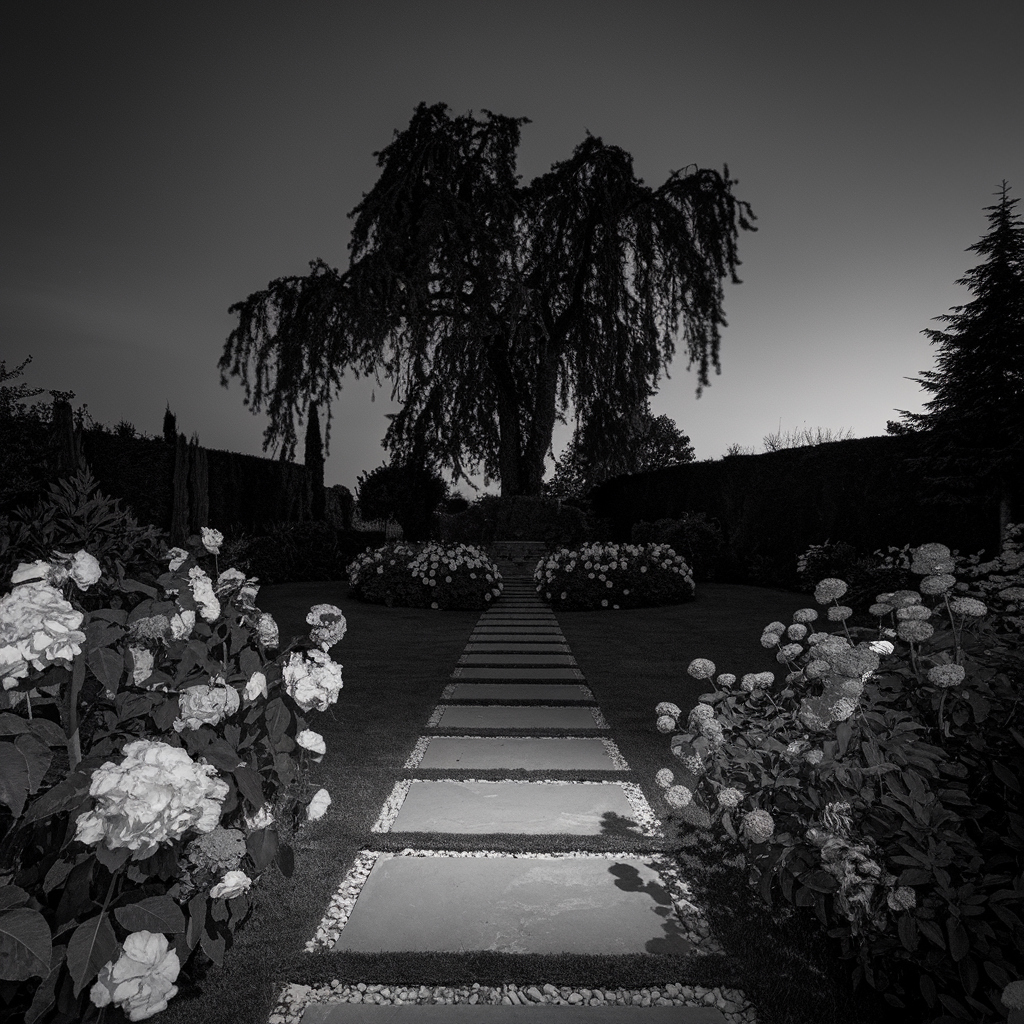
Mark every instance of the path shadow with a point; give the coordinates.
(674, 941)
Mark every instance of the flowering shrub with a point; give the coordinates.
(875, 784)
(431, 576)
(151, 769)
(614, 576)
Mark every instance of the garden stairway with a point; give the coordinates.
(502, 756)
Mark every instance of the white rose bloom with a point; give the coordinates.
(202, 591)
(256, 687)
(29, 571)
(318, 805)
(312, 741)
(182, 624)
(177, 558)
(85, 570)
(263, 818)
(233, 884)
(206, 705)
(141, 980)
(212, 540)
(155, 795)
(267, 631)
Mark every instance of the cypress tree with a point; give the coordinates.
(170, 426)
(314, 461)
(179, 510)
(974, 434)
(199, 484)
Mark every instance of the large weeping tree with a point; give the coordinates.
(974, 430)
(491, 306)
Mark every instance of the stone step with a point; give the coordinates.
(556, 639)
(544, 904)
(532, 753)
(528, 808)
(454, 716)
(517, 659)
(463, 1013)
(517, 648)
(516, 691)
(510, 674)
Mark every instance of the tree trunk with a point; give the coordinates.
(542, 422)
(69, 449)
(179, 510)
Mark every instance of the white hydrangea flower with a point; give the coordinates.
(730, 797)
(202, 591)
(329, 625)
(313, 742)
(182, 624)
(678, 797)
(945, 676)
(700, 713)
(267, 631)
(256, 686)
(758, 826)
(177, 557)
(155, 795)
(313, 680)
(664, 777)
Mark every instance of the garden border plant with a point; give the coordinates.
(152, 770)
(614, 576)
(426, 576)
(881, 797)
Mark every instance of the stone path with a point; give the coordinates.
(516, 682)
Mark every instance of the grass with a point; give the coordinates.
(396, 663)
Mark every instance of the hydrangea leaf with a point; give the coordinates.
(154, 914)
(25, 945)
(92, 945)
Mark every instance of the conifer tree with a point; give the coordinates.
(170, 426)
(974, 433)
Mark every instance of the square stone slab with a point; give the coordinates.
(482, 628)
(517, 638)
(529, 808)
(517, 647)
(463, 1013)
(517, 691)
(517, 659)
(516, 673)
(535, 753)
(511, 717)
(602, 905)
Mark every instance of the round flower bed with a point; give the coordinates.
(614, 576)
(431, 576)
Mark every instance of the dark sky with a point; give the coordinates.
(163, 161)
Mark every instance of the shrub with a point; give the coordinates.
(297, 552)
(133, 830)
(430, 576)
(408, 494)
(876, 785)
(493, 518)
(76, 515)
(614, 576)
(697, 540)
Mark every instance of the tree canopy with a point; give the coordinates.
(654, 442)
(974, 430)
(490, 305)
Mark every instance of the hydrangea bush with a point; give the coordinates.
(614, 576)
(152, 767)
(878, 783)
(427, 576)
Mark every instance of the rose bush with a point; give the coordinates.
(879, 784)
(152, 767)
(614, 576)
(431, 576)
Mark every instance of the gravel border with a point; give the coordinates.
(695, 927)
(650, 824)
(619, 763)
(294, 999)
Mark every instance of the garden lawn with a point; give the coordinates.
(396, 663)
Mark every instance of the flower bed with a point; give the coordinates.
(152, 762)
(614, 576)
(431, 576)
(877, 785)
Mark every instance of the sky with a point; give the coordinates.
(163, 161)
